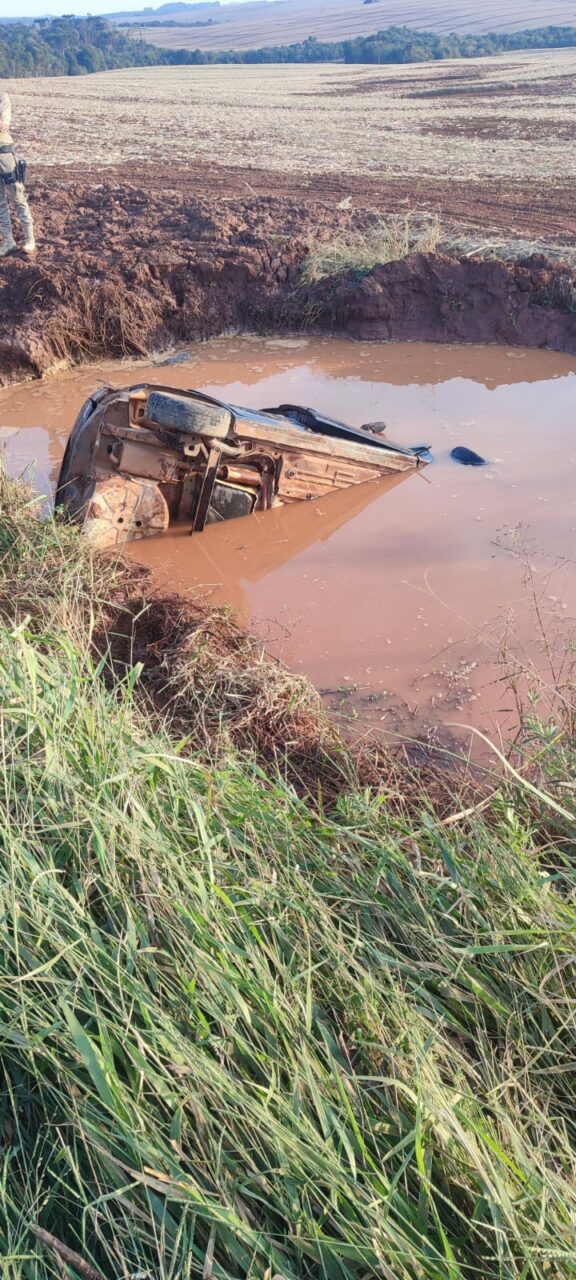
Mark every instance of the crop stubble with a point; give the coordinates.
(455, 135)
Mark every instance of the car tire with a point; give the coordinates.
(190, 417)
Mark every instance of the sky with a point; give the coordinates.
(38, 8)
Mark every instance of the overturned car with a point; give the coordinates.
(144, 457)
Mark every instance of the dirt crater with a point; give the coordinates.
(123, 270)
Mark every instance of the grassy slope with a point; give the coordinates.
(243, 1038)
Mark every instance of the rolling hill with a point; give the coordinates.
(259, 23)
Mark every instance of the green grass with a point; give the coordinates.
(244, 1037)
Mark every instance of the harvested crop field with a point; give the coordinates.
(253, 25)
(358, 120)
(487, 143)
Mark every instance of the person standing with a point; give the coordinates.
(10, 185)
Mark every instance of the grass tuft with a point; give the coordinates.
(388, 240)
(392, 239)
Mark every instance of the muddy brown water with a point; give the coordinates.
(410, 601)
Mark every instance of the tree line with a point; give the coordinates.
(167, 22)
(394, 45)
(77, 46)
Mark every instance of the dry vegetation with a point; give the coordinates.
(387, 241)
(497, 118)
(391, 239)
(251, 25)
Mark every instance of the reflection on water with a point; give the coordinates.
(399, 596)
(236, 553)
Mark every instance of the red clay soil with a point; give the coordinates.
(123, 268)
(503, 207)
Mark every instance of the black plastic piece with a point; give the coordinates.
(467, 456)
(228, 503)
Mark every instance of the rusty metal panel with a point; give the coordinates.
(295, 441)
(149, 463)
(119, 509)
(306, 476)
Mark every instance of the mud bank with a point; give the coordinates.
(122, 270)
(435, 298)
(200, 676)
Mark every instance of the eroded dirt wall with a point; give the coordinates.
(124, 269)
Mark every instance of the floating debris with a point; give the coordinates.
(467, 457)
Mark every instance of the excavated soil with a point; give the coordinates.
(125, 268)
(505, 207)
